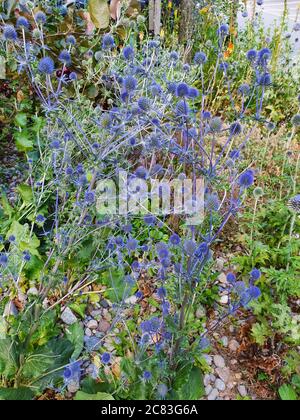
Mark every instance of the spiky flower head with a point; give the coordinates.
(294, 204)
(46, 65)
(296, 120)
(200, 58)
(40, 17)
(9, 33)
(108, 42)
(22, 22)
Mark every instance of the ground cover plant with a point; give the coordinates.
(112, 288)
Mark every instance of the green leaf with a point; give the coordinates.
(26, 193)
(193, 389)
(8, 210)
(75, 334)
(99, 12)
(47, 362)
(21, 120)
(23, 142)
(3, 328)
(79, 308)
(100, 396)
(8, 358)
(287, 393)
(16, 394)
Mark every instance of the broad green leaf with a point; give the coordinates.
(26, 193)
(79, 308)
(99, 12)
(193, 389)
(287, 393)
(8, 358)
(75, 334)
(23, 142)
(8, 210)
(100, 396)
(21, 119)
(16, 394)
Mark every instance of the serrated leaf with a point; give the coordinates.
(100, 396)
(287, 393)
(16, 394)
(8, 358)
(99, 13)
(21, 119)
(23, 142)
(26, 193)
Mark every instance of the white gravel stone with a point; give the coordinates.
(219, 384)
(233, 345)
(33, 291)
(212, 377)
(208, 359)
(219, 361)
(213, 395)
(224, 341)
(223, 373)
(92, 324)
(242, 390)
(88, 332)
(224, 300)
(208, 389)
(68, 317)
(206, 380)
(222, 278)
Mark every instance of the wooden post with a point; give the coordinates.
(186, 21)
(151, 15)
(155, 16)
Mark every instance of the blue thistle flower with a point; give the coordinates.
(40, 17)
(22, 22)
(108, 42)
(128, 53)
(40, 219)
(71, 40)
(150, 220)
(9, 33)
(265, 79)
(130, 83)
(244, 89)
(105, 358)
(193, 93)
(72, 373)
(174, 57)
(200, 58)
(264, 56)
(65, 57)
(3, 259)
(231, 278)
(186, 68)
(296, 120)
(73, 76)
(182, 90)
(260, 2)
(147, 375)
(224, 67)
(216, 125)
(255, 274)
(175, 239)
(162, 390)
(172, 87)
(294, 204)
(223, 30)
(132, 245)
(89, 197)
(252, 55)
(206, 115)
(235, 129)
(204, 344)
(46, 66)
(26, 256)
(144, 104)
(247, 179)
(254, 292)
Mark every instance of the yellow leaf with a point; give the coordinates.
(99, 12)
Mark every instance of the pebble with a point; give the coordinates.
(206, 380)
(208, 359)
(88, 332)
(222, 278)
(242, 390)
(107, 315)
(208, 389)
(223, 373)
(92, 343)
(104, 304)
(104, 326)
(219, 361)
(68, 317)
(219, 384)
(224, 300)
(233, 345)
(224, 341)
(212, 378)
(213, 395)
(220, 264)
(92, 325)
